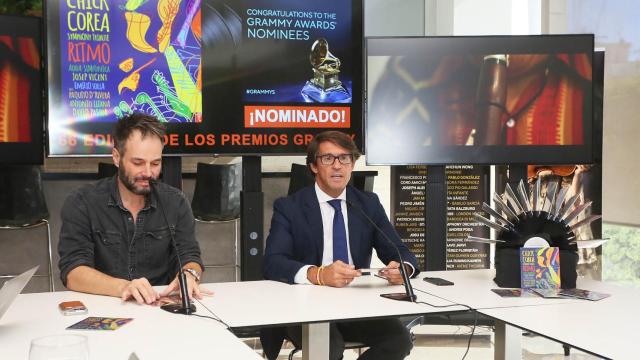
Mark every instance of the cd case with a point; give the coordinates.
(507, 293)
(99, 323)
(571, 293)
(549, 293)
(583, 294)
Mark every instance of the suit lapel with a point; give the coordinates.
(311, 211)
(355, 227)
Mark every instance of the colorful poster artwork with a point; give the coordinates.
(118, 57)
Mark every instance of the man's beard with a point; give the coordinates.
(130, 181)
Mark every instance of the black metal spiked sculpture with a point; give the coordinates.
(518, 216)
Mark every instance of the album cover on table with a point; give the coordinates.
(100, 323)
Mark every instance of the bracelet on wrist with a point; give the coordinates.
(318, 275)
(193, 273)
(320, 280)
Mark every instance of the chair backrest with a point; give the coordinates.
(300, 177)
(22, 199)
(217, 192)
(106, 170)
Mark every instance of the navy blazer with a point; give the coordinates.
(296, 235)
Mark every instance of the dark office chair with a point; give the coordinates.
(106, 170)
(23, 207)
(216, 202)
(301, 176)
(217, 193)
(347, 346)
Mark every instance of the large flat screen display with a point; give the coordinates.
(21, 110)
(480, 100)
(227, 77)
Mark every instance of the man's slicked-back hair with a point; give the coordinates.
(147, 125)
(336, 137)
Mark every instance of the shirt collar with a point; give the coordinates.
(324, 197)
(114, 198)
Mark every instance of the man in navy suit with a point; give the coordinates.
(309, 244)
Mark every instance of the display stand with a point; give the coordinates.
(436, 219)
(251, 219)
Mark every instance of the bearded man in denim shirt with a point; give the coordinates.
(115, 239)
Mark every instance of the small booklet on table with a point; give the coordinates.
(99, 323)
(505, 293)
(583, 294)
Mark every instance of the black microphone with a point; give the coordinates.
(408, 295)
(186, 307)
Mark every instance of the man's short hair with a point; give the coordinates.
(336, 137)
(146, 124)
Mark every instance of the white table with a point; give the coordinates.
(607, 328)
(473, 288)
(268, 303)
(153, 334)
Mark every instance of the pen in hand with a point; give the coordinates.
(381, 277)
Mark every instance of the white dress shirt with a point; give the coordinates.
(327, 211)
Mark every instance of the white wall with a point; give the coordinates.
(394, 17)
(497, 17)
(616, 29)
(472, 17)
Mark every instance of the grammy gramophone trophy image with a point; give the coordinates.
(325, 86)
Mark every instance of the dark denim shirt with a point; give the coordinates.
(99, 232)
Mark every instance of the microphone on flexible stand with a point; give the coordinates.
(408, 295)
(185, 307)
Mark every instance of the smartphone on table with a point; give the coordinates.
(370, 271)
(72, 308)
(437, 281)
